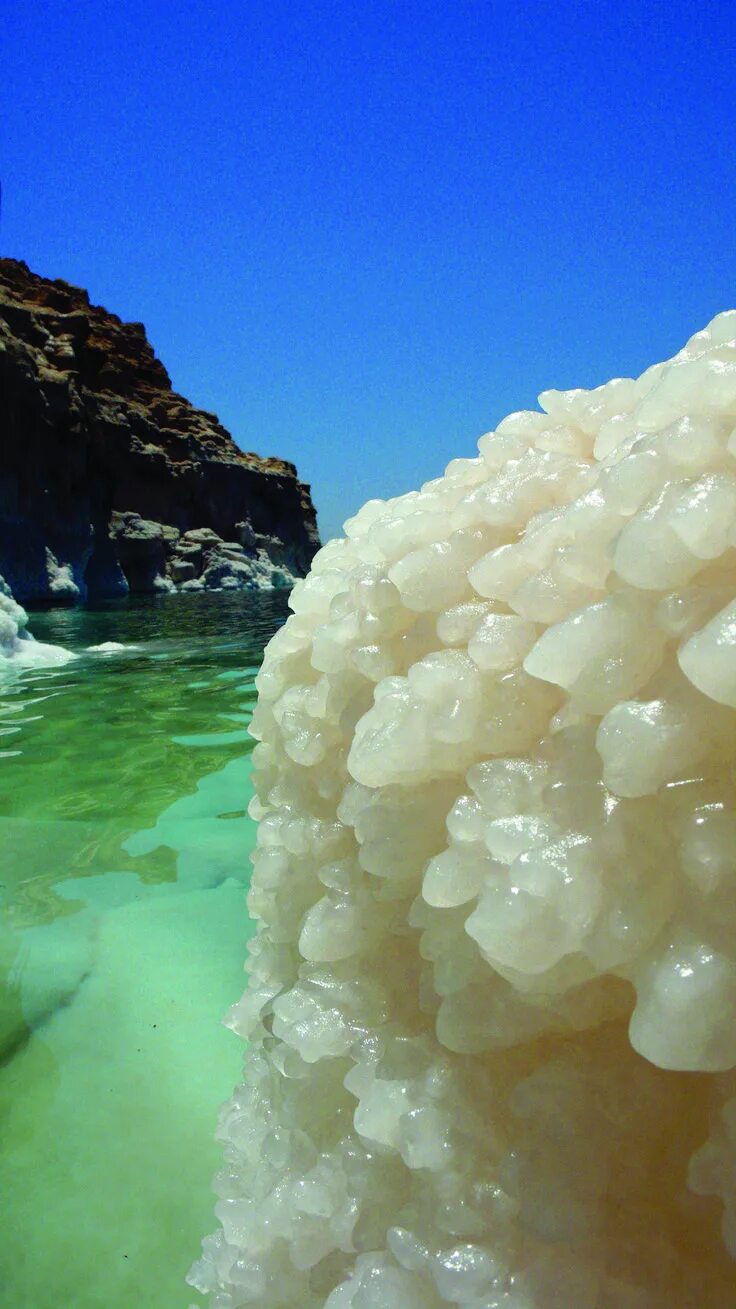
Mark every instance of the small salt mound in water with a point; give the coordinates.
(492, 999)
(17, 647)
(110, 647)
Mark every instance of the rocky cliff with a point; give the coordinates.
(110, 482)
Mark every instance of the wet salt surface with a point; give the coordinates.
(124, 783)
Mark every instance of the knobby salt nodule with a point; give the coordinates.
(492, 1003)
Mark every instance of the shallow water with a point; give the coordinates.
(124, 841)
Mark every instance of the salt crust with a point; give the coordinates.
(17, 647)
(492, 1000)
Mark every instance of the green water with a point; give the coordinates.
(124, 781)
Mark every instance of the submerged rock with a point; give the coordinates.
(492, 1003)
(106, 473)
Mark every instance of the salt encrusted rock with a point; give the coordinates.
(17, 647)
(492, 1002)
(141, 548)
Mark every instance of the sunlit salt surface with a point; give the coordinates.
(492, 1004)
(18, 648)
(124, 780)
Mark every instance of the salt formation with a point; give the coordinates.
(17, 646)
(492, 1000)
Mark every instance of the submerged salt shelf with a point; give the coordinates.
(124, 779)
(492, 1001)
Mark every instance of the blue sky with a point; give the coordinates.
(362, 233)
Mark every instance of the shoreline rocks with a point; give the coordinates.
(110, 482)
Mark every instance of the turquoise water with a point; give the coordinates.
(124, 782)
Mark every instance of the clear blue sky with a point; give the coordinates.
(362, 233)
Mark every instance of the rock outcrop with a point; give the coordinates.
(112, 483)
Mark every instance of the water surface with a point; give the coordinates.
(124, 839)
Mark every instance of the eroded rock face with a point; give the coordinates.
(104, 469)
(492, 999)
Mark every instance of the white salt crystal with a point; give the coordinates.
(492, 1002)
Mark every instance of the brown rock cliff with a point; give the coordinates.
(111, 482)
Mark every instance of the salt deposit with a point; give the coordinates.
(17, 647)
(492, 999)
(110, 647)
